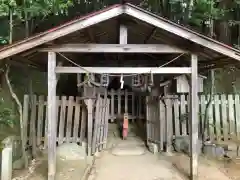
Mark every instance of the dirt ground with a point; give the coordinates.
(148, 166)
(130, 166)
(229, 167)
(66, 170)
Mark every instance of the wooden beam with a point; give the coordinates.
(194, 119)
(52, 119)
(113, 48)
(125, 70)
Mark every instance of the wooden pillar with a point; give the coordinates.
(52, 118)
(194, 119)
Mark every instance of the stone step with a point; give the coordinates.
(128, 150)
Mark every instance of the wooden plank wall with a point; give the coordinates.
(71, 115)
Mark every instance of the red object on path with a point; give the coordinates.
(125, 126)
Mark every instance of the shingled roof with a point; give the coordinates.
(173, 32)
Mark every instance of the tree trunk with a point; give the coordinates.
(224, 29)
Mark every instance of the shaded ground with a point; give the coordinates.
(206, 169)
(134, 162)
(231, 168)
(66, 170)
(147, 166)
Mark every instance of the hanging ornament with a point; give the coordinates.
(136, 80)
(104, 81)
(121, 81)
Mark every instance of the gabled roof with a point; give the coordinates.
(113, 12)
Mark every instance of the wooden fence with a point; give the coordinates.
(100, 124)
(170, 118)
(71, 115)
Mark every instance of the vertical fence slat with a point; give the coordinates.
(105, 104)
(83, 123)
(112, 106)
(46, 129)
(169, 124)
(188, 117)
(151, 119)
(231, 114)
(40, 119)
(217, 117)
(33, 125)
(96, 126)
(224, 116)
(210, 118)
(126, 101)
(106, 124)
(76, 118)
(176, 117)
(133, 106)
(119, 101)
(162, 125)
(147, 119)
(183, 113)
(101, 123)
(237, 110)
(202, 113)
(140, 107)
(69, 118)
(62, 119)
(25, 119)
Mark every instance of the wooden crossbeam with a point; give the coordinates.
(125, 70)
(113, 48)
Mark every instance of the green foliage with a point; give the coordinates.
(7, 116)
(3, 40)
(31, 10)
(34, 7)
(204, 10)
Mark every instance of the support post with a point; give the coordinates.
(194, 119)
(52, 118)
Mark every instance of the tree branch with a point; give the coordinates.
(16, 99)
